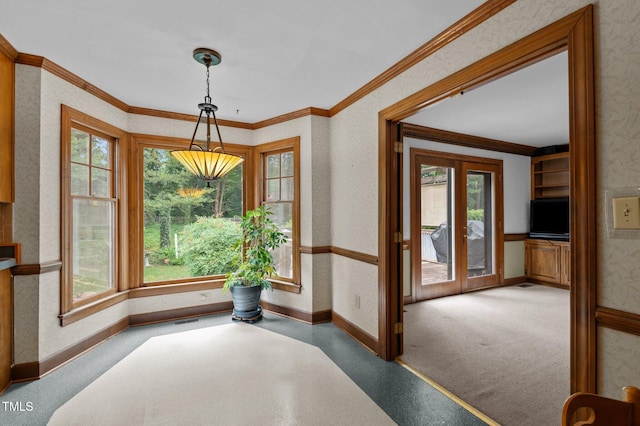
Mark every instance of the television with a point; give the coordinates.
(549, 219)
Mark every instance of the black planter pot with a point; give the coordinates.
(246, 301)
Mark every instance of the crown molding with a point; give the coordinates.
(7, 48)
(467, 23)
(462, 139)
(63, 73)
(185, 117)
(471, 20)
(291, 116)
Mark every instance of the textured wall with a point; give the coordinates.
(618, 84)
(513, 259)
(26, 228)
(314, 207)
(354, 171)
(148, 125)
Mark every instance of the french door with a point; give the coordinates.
(456, 223)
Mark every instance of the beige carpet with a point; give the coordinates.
(235, 374)
(504, 351)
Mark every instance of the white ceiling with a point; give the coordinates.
(278, 56)
(529, 107)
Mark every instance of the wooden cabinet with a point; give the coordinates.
(550, 175)
(6, 328)
(565, 263)
(548, 262)
(6, 128)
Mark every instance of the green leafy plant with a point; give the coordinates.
(209, 246)
(254, 265)
(475, 214)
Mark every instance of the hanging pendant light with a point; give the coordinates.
(207, 162)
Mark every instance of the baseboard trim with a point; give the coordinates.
(25, 372)
(515, 280)
(548, 284)
(35, 370)
(361, 336)
(180, 313)
(306, 317)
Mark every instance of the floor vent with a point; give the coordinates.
(525, 285)
(186, 321)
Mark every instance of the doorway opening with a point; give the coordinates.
(573, 33)
(456, 221)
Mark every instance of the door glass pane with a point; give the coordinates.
(479, 224)
(283, 255)
(93, 239)
(436, 207)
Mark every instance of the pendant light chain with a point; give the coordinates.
(207, 98)
(206, 163)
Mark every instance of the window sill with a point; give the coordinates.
(172, 288)
(84, 311)
(156, 290)
(286, 286)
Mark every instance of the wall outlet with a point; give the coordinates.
(357, 301)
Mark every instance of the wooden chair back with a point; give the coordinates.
(601, 411)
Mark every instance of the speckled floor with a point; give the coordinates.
(406, 398)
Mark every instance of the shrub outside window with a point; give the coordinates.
(189, 230)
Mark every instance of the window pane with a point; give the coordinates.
(283, 255)
(273, 190)
(92, 258)
(287, 164)
(287, 189)
(79, 179)
(79, 146)
(100, 183)
(189, 229)
(273, 166)
(100, 153)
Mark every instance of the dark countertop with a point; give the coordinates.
(7, 262)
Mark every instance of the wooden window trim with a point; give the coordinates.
(73, 118)
(290, 144)
(139, 143)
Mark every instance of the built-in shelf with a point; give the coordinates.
(550, 175)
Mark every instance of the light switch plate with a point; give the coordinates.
(622, 213)
(626, 212)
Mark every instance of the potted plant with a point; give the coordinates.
(253, 264)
